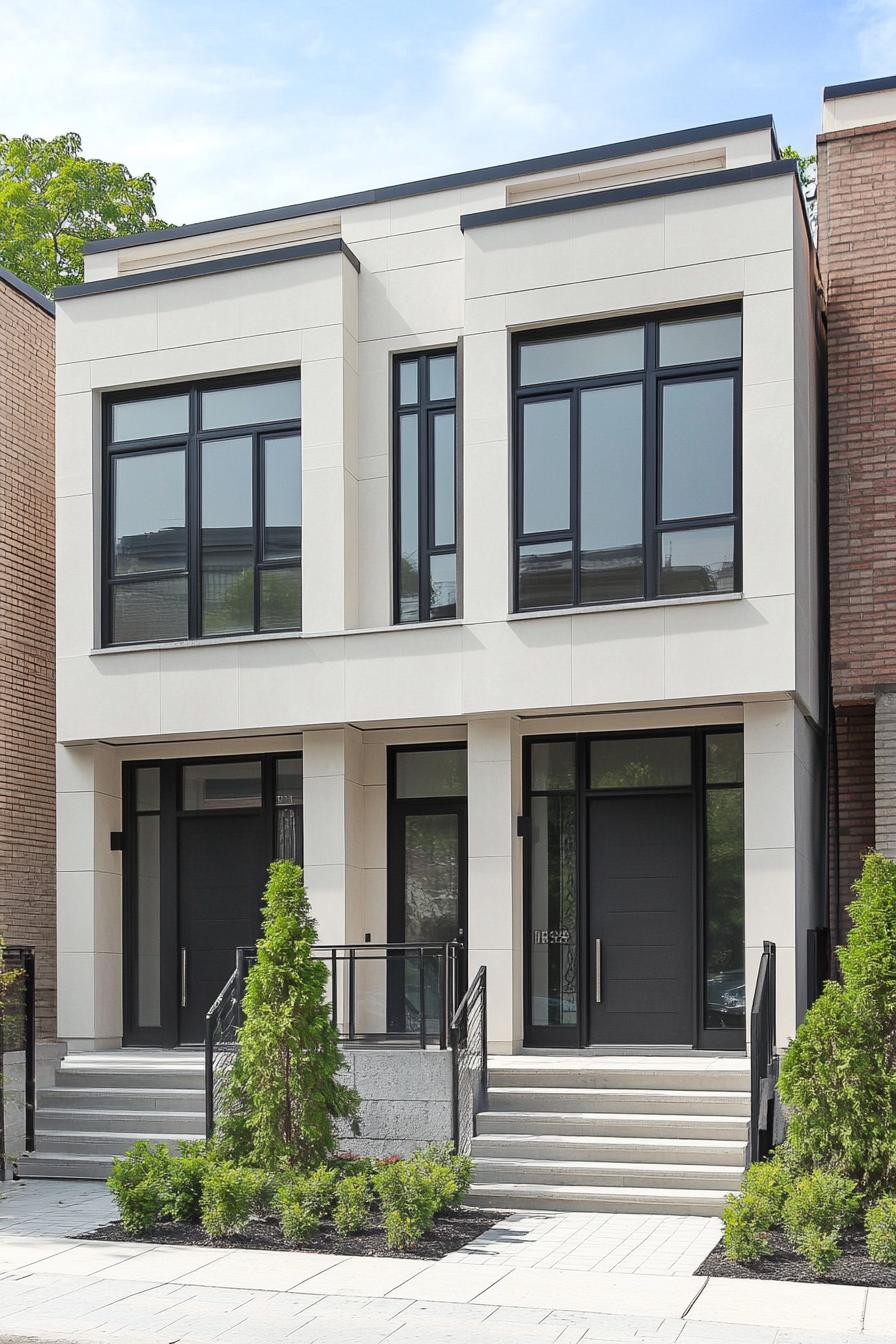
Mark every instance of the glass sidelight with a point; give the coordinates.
(553, 900)
(725, 1001)
(427, 866)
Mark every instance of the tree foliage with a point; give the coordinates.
(838, 1076)
(807, 166)
(284, 1095)
(53, 200)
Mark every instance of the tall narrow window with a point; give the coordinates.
(203, 511)
(627, 462)
(425, 476)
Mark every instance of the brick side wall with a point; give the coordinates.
(27, 613)
(857, 254)
(852, 806)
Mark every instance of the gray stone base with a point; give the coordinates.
(405, 1100)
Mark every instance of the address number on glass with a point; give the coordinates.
(550, 937)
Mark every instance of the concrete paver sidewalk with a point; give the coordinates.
(539, 1278)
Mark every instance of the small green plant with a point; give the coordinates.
(880, 1230)
(450, 1172)
(227, 1194)
(298, 1203)
(138, 1182)
(818, 1208)
(182, 1197)
(821, 1249)
(353, 1200)
(321, 1187)
(410, 1201)
(745, 1230)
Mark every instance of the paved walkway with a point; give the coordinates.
(539, 1278)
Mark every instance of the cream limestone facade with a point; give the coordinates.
(412, 276)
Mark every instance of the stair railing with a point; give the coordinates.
(763, 1060)
(18, 1033)
(469, 1055)
(222, 1024)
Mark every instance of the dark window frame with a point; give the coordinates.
(427, 410)
(190, 444)
(652, 377)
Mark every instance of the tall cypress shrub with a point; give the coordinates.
(284, 1097)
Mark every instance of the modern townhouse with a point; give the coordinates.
(27, 628)
(459, 539)
(856, 190)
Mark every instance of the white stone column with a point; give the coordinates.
(88, 897)
(330, 468)
(486, 473)
(494, 901)
(770, 851)
(333, 830)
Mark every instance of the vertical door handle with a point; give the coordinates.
(183, 977)
(597, 984)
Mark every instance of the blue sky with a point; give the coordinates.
(237, 106)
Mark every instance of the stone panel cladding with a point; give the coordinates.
(27, 614)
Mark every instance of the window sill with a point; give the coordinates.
(698, 599)
(217, 640)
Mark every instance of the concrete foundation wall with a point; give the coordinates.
(405, 1100)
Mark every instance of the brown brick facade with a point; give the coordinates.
(857, 255)
(27, 614)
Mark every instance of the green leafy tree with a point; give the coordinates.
(53, 200)
(808, 171)
(838, 1076)
(284, 1095)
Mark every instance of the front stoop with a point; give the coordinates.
(102, 1102)
(612, 1134)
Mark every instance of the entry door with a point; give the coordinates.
(643, 919)
(222, 862)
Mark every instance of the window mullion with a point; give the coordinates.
(575, 506)
(194, 521)
(651, 464)
(257, 525)
(423, 446)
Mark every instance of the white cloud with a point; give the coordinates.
(874, 27)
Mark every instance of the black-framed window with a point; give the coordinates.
(627, 460)
(203, 510)
(424, 439)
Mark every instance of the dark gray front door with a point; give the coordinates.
(642, 907)
(221, 861)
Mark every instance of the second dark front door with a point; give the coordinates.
(221, 861)
(642, 917)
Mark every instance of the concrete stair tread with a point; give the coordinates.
(529, 1163)
(70, 1093)
(131, 1117)
(613, 1140)
(596, 1197)
(613, 1117)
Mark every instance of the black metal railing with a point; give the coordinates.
(379, 993)
(222, 1024)
(763, 1060)
(469, 1050)
(17, 1036)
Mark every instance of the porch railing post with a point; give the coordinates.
(351, 993)
(443, 998)
(30, 1049)
(422, 989)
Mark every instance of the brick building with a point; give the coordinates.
(27, 589)
(856, 233)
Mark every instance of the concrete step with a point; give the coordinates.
(655, 1101)
(513, 1170)
(63, 1166)
(596, 1199)
(610, 1148)
(173, 1099)
(675, 1074)
(52, 1119)
(159, 1079)
(616, 1124)
(102, 1143)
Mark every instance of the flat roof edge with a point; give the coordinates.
(636, 191)
(211, 266)
(28, 291)
(858, 86)
(426, 186)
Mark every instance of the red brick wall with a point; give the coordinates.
(851, 806)
(27, 714)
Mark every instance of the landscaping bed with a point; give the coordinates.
(451, 1231)
(855, 1267)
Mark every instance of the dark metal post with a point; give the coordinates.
(771, 949)
(422, 983)
(455, 1089)
(484, 1037)
(333, 990)
(209, 1079)
(30, 1049)
(443, 998)
(351, 993)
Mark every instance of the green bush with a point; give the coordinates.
(353, 1200)
(450, 1172)
(817, 1209)
(227, 1195)
(298, 1203)
(410, 1200)
(821, 1249)
(880, 1230)
(745, 1231)
(138, 1183)
(283, 1097)
(182, 1199)
(838, 1076)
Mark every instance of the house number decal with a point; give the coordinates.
(550, 937)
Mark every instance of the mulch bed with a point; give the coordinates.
(855, 1268)
(451, 1231)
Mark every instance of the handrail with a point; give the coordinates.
(19, 957)
(763, 1059)
(469, 1061)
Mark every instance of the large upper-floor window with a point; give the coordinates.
(425, 487)
(627, 461)
(203, 510)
